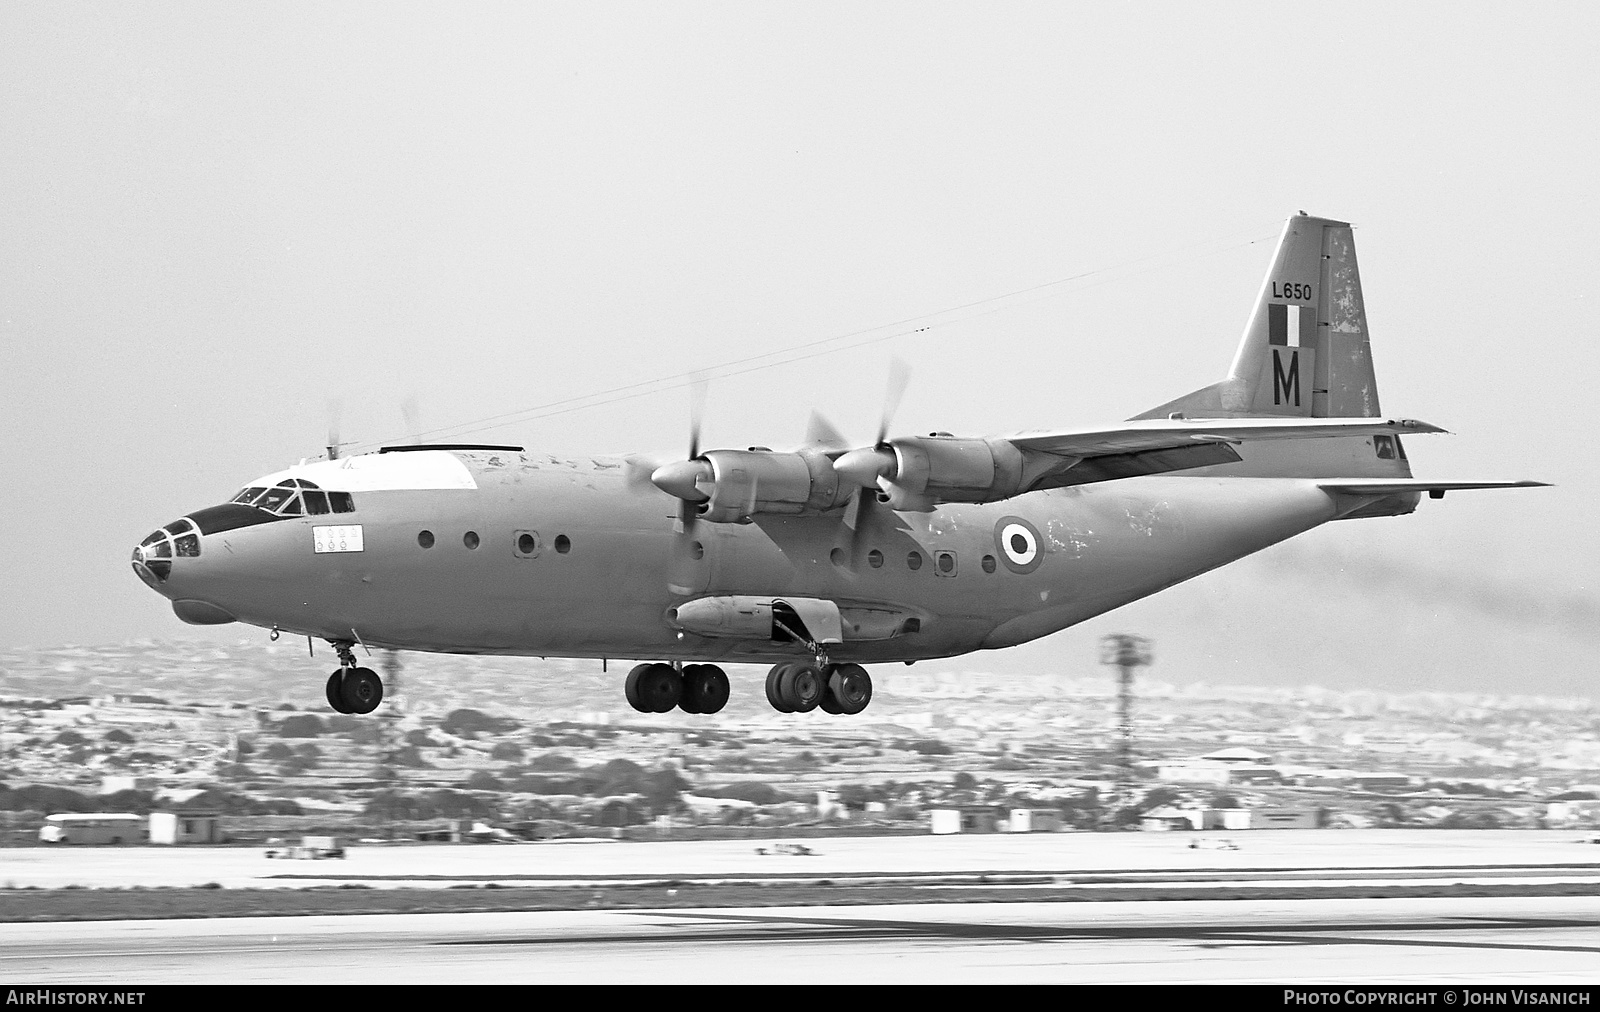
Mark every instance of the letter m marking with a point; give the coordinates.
(1286, 382)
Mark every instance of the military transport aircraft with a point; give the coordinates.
(822, 559)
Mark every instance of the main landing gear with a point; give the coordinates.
(658, 688)
(792, 687)
(353, 689)
(803, 686)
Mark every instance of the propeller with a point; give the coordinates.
(869, 466)
(682, 479)
(865, 466)
(821, 434)
(411, 411)
(335, 408)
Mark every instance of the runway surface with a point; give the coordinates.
(1457, 941)
(1503, 939)
(1153, 855)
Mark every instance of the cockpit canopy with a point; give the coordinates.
(294, 497)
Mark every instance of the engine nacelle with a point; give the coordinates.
(743, 483)
(928, 470)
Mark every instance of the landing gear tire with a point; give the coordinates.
(849, 688)
(362, 690)
(705, 689)
(801, 687)
(336, 692)
(774, 699)
(653, 688)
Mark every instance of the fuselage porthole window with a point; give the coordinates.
(563, 544)
(527, 544)
(875, 559)
(470, 539)
(425, 539)
(914, 561)
(988, 563)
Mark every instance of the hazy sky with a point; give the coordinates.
(219, 223)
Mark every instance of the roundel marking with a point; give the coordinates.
(1021, 548)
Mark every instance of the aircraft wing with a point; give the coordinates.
(1168, 433)
(1160, 445)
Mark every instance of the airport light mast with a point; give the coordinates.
(1126, 653)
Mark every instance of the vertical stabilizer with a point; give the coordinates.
(1305, 351)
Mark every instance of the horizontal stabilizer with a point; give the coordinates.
(1154, 434)
(1435, 489)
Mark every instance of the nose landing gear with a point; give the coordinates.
(353, 689)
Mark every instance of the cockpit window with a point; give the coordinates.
(295, 497)
(273, 499)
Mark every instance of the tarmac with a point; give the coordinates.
(1219, 857)
(1459, 941)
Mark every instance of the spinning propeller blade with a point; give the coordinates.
(335, 407)
(681, 479)
(868, 466)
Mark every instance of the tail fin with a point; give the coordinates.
(1305, 350)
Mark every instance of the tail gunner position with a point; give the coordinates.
(823, 559)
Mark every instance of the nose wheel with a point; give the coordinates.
(353, 689)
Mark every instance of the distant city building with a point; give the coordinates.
(1194, 772)
(171, 828)
(1580, 812)
(969, 819)
(1288, 818)
(93, 828)
(1033, 820)
(1237, 755)
(1166, 819)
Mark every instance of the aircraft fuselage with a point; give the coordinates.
(572, 560)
